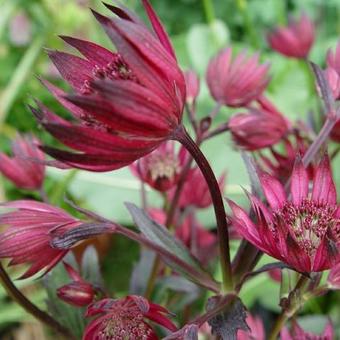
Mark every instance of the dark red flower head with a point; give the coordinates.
(297, 333)
(161, 168)
(258, 128)
(27, 240)
(125, 319)
(236, 82)
(126, 103)
(77, 293)
(295, 40)
(195, 190)
(303, 229)
(25, 169)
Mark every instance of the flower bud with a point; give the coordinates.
(77, 293)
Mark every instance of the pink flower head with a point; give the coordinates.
(297, 332)
(334, 277)
(302, 231)
(192, 85)
(236, 82)
(77, 293)
(295, 40)
(25, 169)
(280, 165)
(125, 319)
(195, 191)
(125, 103)
(161, 168)
(256, 329)
(259, 128)
(27, 240)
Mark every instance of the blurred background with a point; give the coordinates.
(198, 29)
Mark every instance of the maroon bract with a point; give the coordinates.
(161, 169)
(125, 319)
(256, 329)
(77, 293)
(27, 240)
(295, 40)
(297, 332)
(195, 190)
(25, 169)
(334, 277)
(236, 82)
(259, 128)
(125, 104)
(303, 231)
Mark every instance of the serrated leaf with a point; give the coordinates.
(227, 323)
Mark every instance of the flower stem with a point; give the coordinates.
(209, 10)
(280, 321)
(183, 137)
(30, 307)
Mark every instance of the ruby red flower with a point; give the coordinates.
(27, 240)
(25, 169)
(195, 191)
(77, 293)
(303, 231)
(297, 332)
(125, 319)
(295, 40)
(259, 128)
(125, 104)
(161, 168)
(236, 82)
(256, 331)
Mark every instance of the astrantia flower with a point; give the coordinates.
(258, 128)
(77, 293)
(125, 319)
(161, 169)
(125, 103)
(333, 71)
(302, 231)
(195, 190)
(25, 169)
(236, 82)
(256, 329)
(295, 40)
(297, 333)
(27, 240)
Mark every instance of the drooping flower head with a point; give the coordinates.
(27, 240)
(125, 319)
(77, 293)
(236, 82)
(296, 332)
(259, 127)
(25, 169)
(301, 230)
(161, 168)
(295, 40)
(125, 103)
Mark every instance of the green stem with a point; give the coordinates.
(183, 137)
(39, 314)
(209, 11)
(19, 77)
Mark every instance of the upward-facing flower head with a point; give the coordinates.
(302, 231)
(295, 40)
(27, 240)
(24, 169)
(236, 82)
(161, 168)
(125, 319)
(125, 103)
